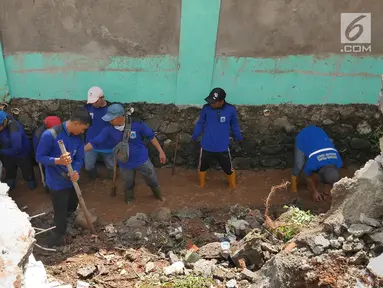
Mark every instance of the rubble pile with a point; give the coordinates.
(16, 241)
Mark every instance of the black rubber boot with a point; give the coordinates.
(110, 173)
(128, 196)
(92, 174)
(157, 192)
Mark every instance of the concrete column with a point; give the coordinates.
(4, 89)
(199, 26)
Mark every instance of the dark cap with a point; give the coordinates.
(329, 174)
(217, 94)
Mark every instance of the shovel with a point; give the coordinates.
(88, 216)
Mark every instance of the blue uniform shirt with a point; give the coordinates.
(138, 153)
(310, 141)
(215, 125)
(14, 142)
(48, 149)
(97, 123)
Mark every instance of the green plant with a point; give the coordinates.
(296, 221)
(189, 282)
(375, 136)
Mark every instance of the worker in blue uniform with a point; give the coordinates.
(138, 160)
(16, 151)
(216, 120)
(316, 155)
(97, 107)
(58, 180)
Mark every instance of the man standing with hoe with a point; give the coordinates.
(216, 120)
(58, 180)
(323, 159)
(132, 133)
(97, 107)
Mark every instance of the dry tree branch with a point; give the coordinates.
(268, 221)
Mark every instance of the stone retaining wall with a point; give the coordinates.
(269, 130)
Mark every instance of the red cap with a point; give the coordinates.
(52, 121)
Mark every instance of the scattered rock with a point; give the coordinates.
(359, 230)
(248, 275)
(363, 128)
(238, 227)
(359, 258)
(219, 274)
(268, 247)
(176, 268)
(334, 243)
(377, 237)
(204, 267)
(188, 213)
(359, 144)
(231, 284)
(162, 214)
(369, 221)
(173, 258)
(131, 254)
(87, 271)
(149, 267)
(210, 251)
(347, 247)
(318, 244)
(134, 222)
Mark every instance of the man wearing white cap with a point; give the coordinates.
(97, 107)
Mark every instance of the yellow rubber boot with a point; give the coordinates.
(202, 179)
(294, 184)
(231, 179)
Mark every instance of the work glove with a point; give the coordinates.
(294, 184)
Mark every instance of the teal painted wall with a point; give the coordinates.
(187, 78)
(4, 90)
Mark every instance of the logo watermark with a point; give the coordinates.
(355, 32)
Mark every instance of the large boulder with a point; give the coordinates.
(353, 196)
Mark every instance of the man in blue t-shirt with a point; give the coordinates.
(216, 120)
(97, 107)
(16, 151)
(58, 180)
(322, 158)
(139, 160)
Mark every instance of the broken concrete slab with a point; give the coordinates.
(376, 266)
(358, 230)
(204, 267)
(16, 240)
(369, 221)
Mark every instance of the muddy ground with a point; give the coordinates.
(180, 191)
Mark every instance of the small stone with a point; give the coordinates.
(219, 274)
(231, 284)
(173, 258)
(340, 239)
(189, 213)
(210, 251)
(203, 267)
(133, 222)
(179, 236)
(87, 271)
(363, 128)
(359, 258)
(162, 214)
(142, 217)
(357, 247)
(335, 243)
(248, 275)
(238, 226)
(359, 144)
(359, 230)
(350, 238)
(321, 241)
(377, 237)
(137, 235)
(244, 284)
(271, 162)
(327, 122)
(149, 267)
(230, 275)
(317, 250)
(369, 221)
(347, 247)
(170, 128)
(174, 269)
(268, 247)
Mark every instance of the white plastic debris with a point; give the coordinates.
(82, 284)
(35, 274)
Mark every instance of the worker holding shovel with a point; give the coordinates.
(216, 120)
(49, 122)
(322, 159)
(126, 138)
(58, 180)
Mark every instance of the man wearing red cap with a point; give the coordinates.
(49, 122)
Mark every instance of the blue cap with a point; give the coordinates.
(3, 116)
(114, 111)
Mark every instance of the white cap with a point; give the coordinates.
(94, 94)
